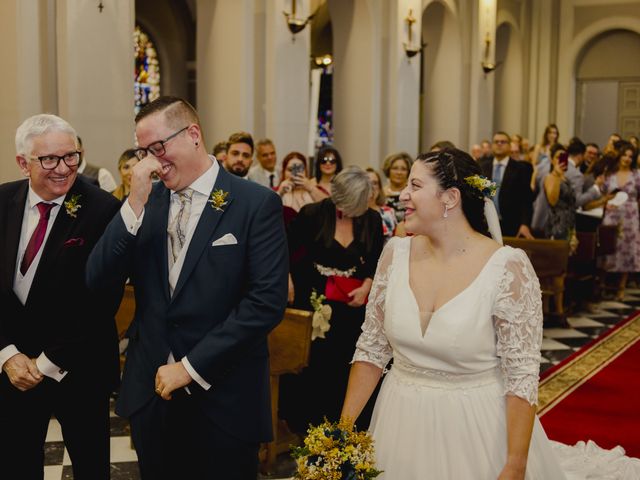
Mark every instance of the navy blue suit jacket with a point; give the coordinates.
(226, 301)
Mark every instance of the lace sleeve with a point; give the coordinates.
(518, 324)
(373, 346)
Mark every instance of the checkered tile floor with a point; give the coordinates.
(558, 343)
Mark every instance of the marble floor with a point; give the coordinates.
(558, 343)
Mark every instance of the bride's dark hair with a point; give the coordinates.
(450, 167)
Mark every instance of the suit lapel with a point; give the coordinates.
(15, 214)
(204, 230)
(158, 220)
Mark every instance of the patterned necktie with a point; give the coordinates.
(35, 242)
(177, 229)
(497, 177)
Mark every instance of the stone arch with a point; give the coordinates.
(569, 59)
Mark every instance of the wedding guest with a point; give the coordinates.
(396, 168)
(126, 162)
(377, 202)
(328, 164)
(343, 240)
(296, 189)
(98, 176)
(220, 151)
(265, 172)
(476, 151)
(461, 317)
(58, 340)
(441, 145)
(624, 177)
(541, 157)
(560, 197)
(239, 154)
(610, 147)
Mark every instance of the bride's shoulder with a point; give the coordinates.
(514, 259)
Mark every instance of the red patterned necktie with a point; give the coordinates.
(35, 242)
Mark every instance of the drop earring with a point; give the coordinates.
(446, 211)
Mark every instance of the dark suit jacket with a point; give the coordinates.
(516, 199)
(74, 328)
(226, 301)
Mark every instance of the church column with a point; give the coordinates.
(286, 67)
(95, 73)
(24, 38)
(225, 57)
(357, 79)
(482, 84)
(403, 99)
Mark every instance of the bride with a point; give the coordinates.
(461, 317)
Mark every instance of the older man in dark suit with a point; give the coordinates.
(58, 342)
(208, 255)
(513, 199)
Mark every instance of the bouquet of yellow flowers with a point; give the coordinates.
(335, 451)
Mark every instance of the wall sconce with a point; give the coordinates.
(488, 67)
(323, 61)
(295, 24)
(409, 48)
(100, 6)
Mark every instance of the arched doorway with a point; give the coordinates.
(608, 86)
(441, 77)
(508, 96)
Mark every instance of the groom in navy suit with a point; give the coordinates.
(207, 254)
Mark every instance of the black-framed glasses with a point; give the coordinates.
(51, 162)
(329, 160)
(157, 149)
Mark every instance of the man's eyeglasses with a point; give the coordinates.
(328, 160)
(501, 142)
(50, 162)
(157, 149)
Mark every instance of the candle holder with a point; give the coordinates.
(294, 23)
(410, 49)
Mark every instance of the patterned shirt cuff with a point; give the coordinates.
(50, 369)
(131, 222)
(201, 381)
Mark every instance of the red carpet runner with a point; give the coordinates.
(596, 395)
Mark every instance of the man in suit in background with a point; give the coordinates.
(207, 253)
(58, 342)
(513, 198)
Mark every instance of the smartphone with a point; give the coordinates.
(563, 160)
(297, 170)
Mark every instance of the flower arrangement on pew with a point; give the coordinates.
(335, 451)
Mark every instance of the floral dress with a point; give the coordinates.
(626, 258)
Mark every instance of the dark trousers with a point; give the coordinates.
(83, 413)
(175, 439)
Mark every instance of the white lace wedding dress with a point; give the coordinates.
(441, 414)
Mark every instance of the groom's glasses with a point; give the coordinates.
(157, 149)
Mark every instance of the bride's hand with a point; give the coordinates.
(510, 472)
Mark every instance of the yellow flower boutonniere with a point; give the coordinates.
(218, 199)
(72, 206)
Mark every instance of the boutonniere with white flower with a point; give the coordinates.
(321, 315)
(218, 199)
(72, 205)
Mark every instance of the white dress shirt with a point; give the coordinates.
(261, 175)
(202, 188)
(22, 283)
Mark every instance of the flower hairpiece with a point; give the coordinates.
(485, 186)
(72, 206)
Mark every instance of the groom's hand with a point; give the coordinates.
(141, 182)
(170, 378)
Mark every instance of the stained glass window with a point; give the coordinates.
(147, 70)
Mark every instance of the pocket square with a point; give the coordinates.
(74, 242)
(228, 239)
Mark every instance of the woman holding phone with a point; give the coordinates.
(296, 189)
(561, 198)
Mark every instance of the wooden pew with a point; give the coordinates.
(550, 259)
(289, 346)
